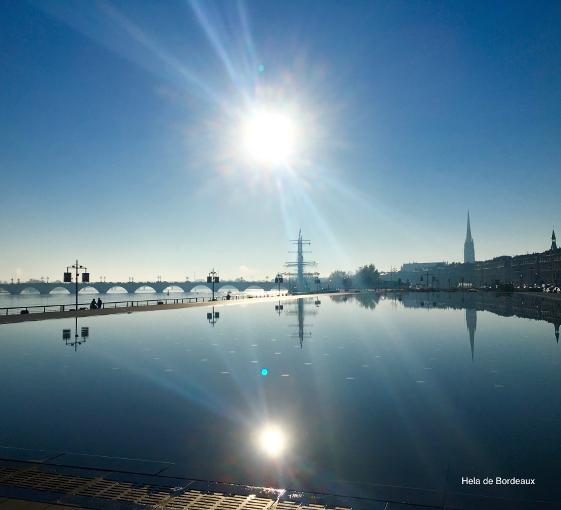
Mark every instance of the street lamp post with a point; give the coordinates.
(212, 278)
(78, 269)
(278, 280)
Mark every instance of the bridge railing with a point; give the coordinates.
(19, 310)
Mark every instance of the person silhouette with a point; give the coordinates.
(93, 306)
(99, 303)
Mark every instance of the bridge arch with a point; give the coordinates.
(117, 289)
(254, 290)
(59, 290)
(88, 290)
(145, 289)
(202, 289)
(228, 288)
(172, 289)
(30, 290)
(4, 291)
(275, 290)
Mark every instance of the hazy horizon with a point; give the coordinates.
(121, 131)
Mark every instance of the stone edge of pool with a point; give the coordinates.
(16, 318)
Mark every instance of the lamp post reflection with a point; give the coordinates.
(279, 308)
(212, 317)
(67, 335)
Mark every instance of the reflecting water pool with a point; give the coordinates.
(359, 395)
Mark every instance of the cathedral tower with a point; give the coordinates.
(469, 249)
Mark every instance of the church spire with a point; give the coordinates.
(553, 241)
(469, 248)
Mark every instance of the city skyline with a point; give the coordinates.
(287, 266)
(120, 125)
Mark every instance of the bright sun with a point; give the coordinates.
(269, 137)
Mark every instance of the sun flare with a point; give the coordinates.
(269, 137)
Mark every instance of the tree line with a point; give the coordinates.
(365, 277)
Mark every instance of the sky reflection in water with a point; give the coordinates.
(358, 391)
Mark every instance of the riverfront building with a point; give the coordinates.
(519, 270)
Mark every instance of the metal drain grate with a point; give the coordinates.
(156, 496)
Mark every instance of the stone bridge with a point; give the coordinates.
(132, 287)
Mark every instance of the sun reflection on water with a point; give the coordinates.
(272, 440)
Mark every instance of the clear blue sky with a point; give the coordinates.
(116, 121)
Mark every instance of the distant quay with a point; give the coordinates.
(157, 305)
(553, 296)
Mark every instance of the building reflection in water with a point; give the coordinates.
(67, 335)
(525, 305)
(471, 323)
